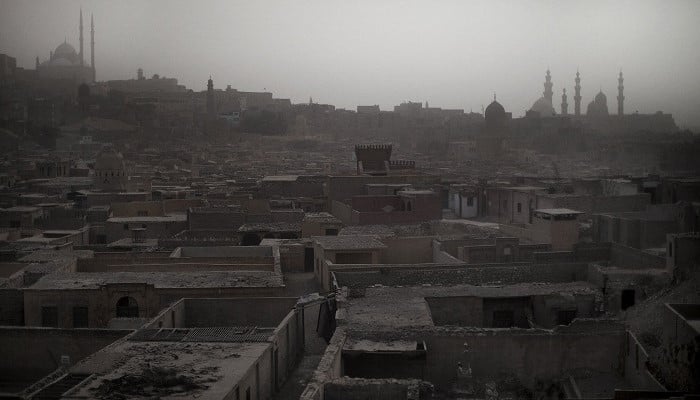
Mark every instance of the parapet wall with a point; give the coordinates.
(363, 276)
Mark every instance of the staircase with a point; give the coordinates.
(58, 388)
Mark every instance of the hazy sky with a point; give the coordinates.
(454, 54)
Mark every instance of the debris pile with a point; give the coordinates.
(150, 382)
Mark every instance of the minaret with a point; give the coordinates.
(81, 37)
(577, 95)
(620, 96)
(564, 104)
(210, 98)
(92, 47)
(548, 87)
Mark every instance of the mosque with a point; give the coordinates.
(597, 108)
(67, 63)
(597, 116)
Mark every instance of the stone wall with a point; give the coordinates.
(360, 276)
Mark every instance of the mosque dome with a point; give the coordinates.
(494, 111)
(495, 117)
(599, 106)
(108, 159)
(64, 49)
(600, 98)
(543, 107)
(64, 56)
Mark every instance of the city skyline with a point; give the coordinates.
(415, 58)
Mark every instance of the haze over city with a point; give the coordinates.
(453, 54)
(349, 200)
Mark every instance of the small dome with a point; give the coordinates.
(109, 159)
(599, 106)
(495, 117)
(543, 107)
(494, 111)
(600, 98)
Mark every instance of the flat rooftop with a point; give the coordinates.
(160, 280)
(391, 308)
(134, 369)
(271, 227)
(222, 251)
(164, 218)
(359, 242)
(557, 211)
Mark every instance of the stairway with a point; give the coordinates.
(58, 388)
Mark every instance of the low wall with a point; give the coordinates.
(30, 353)
(635, 366)
(628, 257)
(407, 250)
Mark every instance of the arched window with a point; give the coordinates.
(127, 307)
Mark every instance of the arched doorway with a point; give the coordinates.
(127, 307)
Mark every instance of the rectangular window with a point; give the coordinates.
(627, 299)
(564, 317)
(505, 204)
(49, 316)
(142, 213)
(80, 317)
(520, 207)
(126, 227)
(470, 201)
(503, 319)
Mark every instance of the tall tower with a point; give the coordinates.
(620, 96)
(564, 104)
(92, 47)
(81, 37)
(210, 98)
(577, 95)
(548, 94)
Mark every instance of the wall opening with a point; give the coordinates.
(80, 317)
(250, 239)
(503, 319)
(627, 299)
(127, 307)
(49, 316)
(309, 259)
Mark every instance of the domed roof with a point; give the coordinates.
(109, 159)
(495, 117)
(599, 106)
(494, 110)
(543, 107)
(64, 49)
(600, 98)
